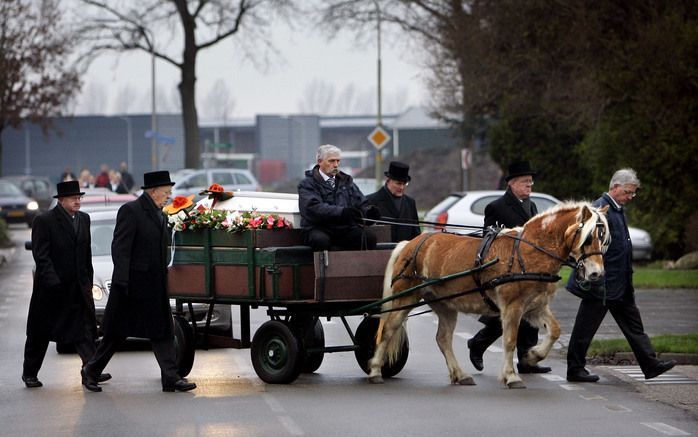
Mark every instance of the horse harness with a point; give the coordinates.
(489, 236)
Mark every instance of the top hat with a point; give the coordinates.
(519, 168)
(156, 179)
(68, 188)
(398, 171)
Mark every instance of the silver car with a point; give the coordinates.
(233, 179)
(468, 208)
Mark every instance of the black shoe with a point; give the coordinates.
(31, 381)
(475, 356)
(525, 368)
(89, 382)
(180, 385)
(582, 375)
(657, 370)
(104, 377)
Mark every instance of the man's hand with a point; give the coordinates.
(373, 213)
(351, 215)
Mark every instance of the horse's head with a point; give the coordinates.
(588, 239)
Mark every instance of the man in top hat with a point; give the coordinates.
(61, 307)
(394, 205)
(138, 304)
(512, 209)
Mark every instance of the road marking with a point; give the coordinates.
(635, 373)
(291, 425)
(617, 408)
(593, 398)
(273, 404)
(572, 387)
(664, 428)
(551, 377)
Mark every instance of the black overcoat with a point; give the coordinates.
(383, 200)
(508, 212)
(321, 206)
(138, 304)
(61, 305)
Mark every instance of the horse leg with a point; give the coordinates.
(511, 318)
(544, 319)
(444, 338)
(390, 325)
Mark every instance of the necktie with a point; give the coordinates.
(331, 182)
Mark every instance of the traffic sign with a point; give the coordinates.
(379, 137)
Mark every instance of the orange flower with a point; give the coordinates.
(215, 188)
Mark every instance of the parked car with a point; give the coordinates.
(37, 187)
(232, 179)
(468, 208)
(15, 206)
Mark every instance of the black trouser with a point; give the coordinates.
(354, 238)
(164, 350)
(35, 351)
(626, 314)
(525, 340)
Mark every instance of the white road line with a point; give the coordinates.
(664, 428)
(572, 387)
(593, 398)
(635, 373)
(291, 425)
(273, 404)
(551, 377)
(618, 408)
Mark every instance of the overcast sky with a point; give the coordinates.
(343, 73)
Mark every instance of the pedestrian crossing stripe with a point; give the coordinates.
(635, 373)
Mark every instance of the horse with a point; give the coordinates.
(515, 279)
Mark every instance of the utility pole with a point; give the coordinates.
(379, 118)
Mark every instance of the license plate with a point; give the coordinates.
(15, 214)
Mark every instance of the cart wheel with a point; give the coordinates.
(366, 340)
(185, 347)
(313, 338)
(276, 354)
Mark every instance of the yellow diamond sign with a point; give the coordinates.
(379, 137)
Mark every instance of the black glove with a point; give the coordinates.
(351, 215)
(373, 213)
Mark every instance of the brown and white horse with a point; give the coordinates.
(531, 255)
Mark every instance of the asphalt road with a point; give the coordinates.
(336, 401)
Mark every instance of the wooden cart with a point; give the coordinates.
(271, 269)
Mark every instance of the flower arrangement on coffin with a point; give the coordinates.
(183, 216)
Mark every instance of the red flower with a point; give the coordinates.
(215, 188)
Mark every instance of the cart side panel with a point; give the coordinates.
(350, 275)
(187, 280)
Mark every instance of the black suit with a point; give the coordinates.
(407, 213)
(138, 304)
(61, 307)
(507, 211)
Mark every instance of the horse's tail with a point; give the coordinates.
(393, 347)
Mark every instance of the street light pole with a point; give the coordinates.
(153, 114)
(379, 120)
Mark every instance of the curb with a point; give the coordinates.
(628, 359)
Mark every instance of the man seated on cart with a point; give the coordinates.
(332, 207)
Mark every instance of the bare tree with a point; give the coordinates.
(112, 25)
(219, 102)
(36, 80)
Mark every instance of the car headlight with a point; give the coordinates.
(97, 292)
(32, 206)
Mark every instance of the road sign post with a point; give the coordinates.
(379, 138)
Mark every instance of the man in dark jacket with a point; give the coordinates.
(513, 209)
(61, 308)
(394, 205)
(332, 207)
(138, 304)
(617, 295)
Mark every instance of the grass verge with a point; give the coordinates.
(671, 343)
(646, 277)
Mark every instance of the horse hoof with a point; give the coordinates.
(466, 381)
(516, 384)
(375, 379)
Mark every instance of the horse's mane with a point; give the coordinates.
(572, 205)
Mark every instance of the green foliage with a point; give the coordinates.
(4, 234)
(653, 277)
(669, 343)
